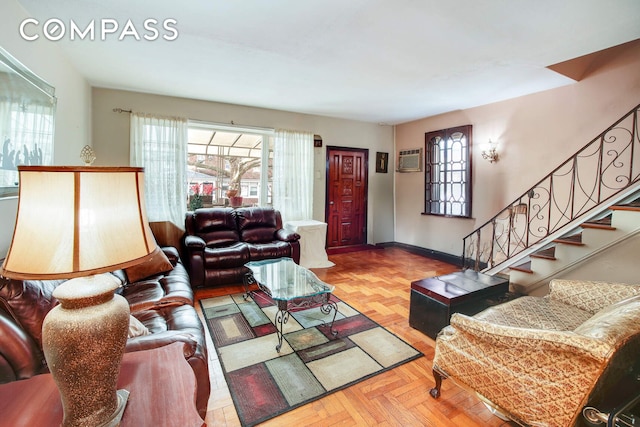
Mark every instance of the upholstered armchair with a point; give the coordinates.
(540, 360)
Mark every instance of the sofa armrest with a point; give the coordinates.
(194, 242)
(151, 341)
(287, 236)
(530, 340)
(591, 296)
(195, 246)
(21, 354)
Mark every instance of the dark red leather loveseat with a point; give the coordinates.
(161, 301)
(220, 241)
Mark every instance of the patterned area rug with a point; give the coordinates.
(312, 362)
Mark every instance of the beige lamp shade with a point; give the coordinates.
(77, 221)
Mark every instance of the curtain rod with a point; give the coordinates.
(230, 126)
(157, 116)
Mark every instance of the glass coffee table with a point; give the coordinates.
(292, 287)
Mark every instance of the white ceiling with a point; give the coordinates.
(383, 61)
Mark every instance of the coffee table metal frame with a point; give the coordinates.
(297, 288)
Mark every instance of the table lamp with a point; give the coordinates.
(80, 223)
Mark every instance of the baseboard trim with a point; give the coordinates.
(352, 248)
(425, 252)
(429, 253)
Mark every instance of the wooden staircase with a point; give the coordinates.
(580, 245)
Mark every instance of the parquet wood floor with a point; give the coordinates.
(377, 283)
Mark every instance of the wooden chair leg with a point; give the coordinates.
(435, 392)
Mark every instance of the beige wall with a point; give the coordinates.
(536, 133)
(111, 141)
(73, 118)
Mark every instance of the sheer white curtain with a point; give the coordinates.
(293, 174)
(26, 136)
(159, 144)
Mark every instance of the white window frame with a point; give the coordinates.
(267, 142)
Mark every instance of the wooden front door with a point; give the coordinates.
(346, 204)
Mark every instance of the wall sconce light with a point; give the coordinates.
(490, 153)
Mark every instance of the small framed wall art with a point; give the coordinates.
(382, 162)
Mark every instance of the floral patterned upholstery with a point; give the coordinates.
(590, 296)
(538, 360)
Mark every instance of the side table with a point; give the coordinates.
(434, 300)
(161, 383)
(313, 237)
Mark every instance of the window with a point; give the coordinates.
(448, 172)
(27, 117)
(223, 158)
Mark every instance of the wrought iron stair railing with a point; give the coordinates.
(604, 170)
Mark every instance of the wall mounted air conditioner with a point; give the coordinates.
(410, 160)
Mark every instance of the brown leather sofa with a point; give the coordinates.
(161, 301)
(220, 241)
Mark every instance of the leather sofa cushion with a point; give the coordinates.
(217, 226)
(178, 318)
(257, 225)
(270, 250)
(28, 302)
(220, 238)
(258, 235)
(161, 290)
(221, 276)
(235, 255)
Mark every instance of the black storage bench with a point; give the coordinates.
(435, 299)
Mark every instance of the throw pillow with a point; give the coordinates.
(172, 254)
(157, 264)
(136, 328)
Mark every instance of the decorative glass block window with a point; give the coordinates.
(448, 172)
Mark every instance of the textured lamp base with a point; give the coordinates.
(114, 421)
(83, 340)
